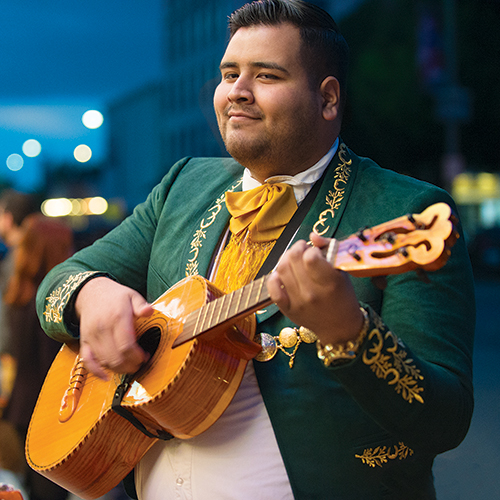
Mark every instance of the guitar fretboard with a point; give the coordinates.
(225, 310)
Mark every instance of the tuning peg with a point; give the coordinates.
(355, 255)
(361, 234)
(415, 222)
(388, 236)
(403, 251)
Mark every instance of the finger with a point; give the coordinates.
(141, 308)
(319, 241)
(90, 363)
(291, 270)
(318, 269)
(277, 291)
(119, 344)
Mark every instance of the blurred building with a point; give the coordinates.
(137, 146)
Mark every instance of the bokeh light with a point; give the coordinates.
(97, 205)
(92, 119)
(76, 207)
(32, 148)
(15, 162)
(82, 153)
(57, 207)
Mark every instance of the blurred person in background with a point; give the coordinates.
(15, 207)
(37, 244)
(12, 463)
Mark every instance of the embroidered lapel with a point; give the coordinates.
(207, 234)
(326, 211)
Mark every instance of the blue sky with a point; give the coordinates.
(60, 58)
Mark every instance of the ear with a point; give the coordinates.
(330, 91)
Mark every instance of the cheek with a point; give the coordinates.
(279, 106)
(220, 99)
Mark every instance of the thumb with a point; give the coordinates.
(318, 241)
(140, 307)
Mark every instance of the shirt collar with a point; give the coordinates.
(302, 182)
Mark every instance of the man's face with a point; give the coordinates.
(267, 111)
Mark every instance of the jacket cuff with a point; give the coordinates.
(60, 304)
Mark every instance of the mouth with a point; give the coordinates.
(241, 118)
(237, 116)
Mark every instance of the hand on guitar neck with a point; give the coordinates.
(107, 311)
(312, 293)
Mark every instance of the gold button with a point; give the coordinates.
(288, 337)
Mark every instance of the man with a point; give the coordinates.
(367, 418)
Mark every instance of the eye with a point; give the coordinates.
(269, 76)
(230, 76)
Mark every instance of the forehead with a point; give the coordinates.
(280, 44)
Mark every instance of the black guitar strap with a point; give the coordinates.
(128, 415)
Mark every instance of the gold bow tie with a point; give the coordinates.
(264, 210)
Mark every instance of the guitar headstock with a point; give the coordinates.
(414, 241)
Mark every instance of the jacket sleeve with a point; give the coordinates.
(413, 374)
(123, 255)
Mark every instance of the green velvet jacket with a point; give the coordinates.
(367, 429)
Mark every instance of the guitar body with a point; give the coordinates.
(77, 441)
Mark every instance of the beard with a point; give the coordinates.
(274, 150)
(248, 151)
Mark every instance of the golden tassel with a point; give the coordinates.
(240, 262)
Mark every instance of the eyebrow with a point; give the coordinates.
(263, 65)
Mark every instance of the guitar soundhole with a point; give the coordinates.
(150, 340)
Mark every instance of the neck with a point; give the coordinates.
(262, 168)
(261, 172)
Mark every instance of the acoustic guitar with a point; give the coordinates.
(200, 341)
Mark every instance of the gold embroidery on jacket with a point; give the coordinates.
(335, 196)
(201, 233)
(381, 454)
(60, 296)
(394, 366)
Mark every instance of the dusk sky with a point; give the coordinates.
(61, 58)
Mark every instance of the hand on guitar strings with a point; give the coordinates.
(313, 294)
(106, 311)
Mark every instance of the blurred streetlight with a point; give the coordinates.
(15, 162)
(92, 119)
(32, 148)
(82, 153)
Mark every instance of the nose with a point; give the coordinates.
(240, 91)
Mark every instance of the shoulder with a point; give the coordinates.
(192, 178)
(204, 170)
(381, 194)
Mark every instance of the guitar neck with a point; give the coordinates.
(401, 245)
(225, 310)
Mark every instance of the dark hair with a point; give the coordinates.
(325, 50)
(45, 243)
(20, 205)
